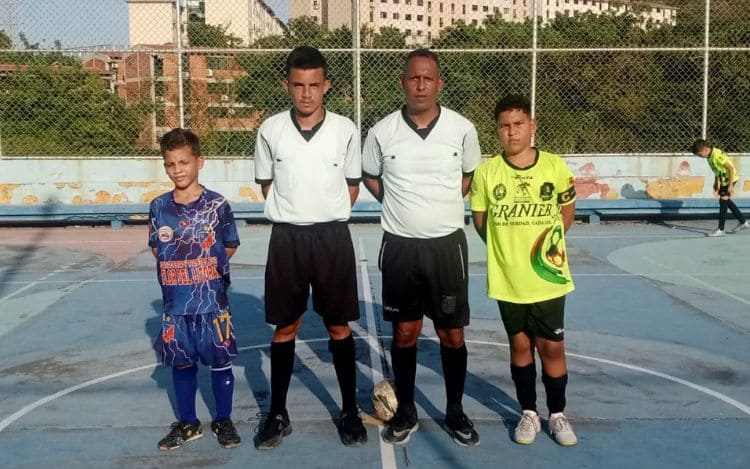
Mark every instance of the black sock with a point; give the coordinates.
(525, 379)
(735, 211)
(723, 205)
(454, 374)
(282, 365)
(344, 360)
(555, 388)
(404, 362)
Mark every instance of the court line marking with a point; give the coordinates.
(702, 283)
(387, 452)
(37, 282)
(378, 274)
(710, 392)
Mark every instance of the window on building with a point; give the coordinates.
(419, 32)
(420, 2)
(372, 16)
(420, 17)
(475, 8)
(485, 8)
(395, 16)
(217, 62)
(473, 22)
(440, 21)
(407, 32)
(407, 17)
(441, 7)
(383, 15)
(217, 88)
(429, 21)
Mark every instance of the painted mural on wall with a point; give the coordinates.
(140, 180)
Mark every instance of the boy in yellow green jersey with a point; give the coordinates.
(522, 203)
(726, 176)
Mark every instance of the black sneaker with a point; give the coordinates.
(351, 430)
(272, 430)
(179, 434)
(461, 428)
(398, 430)
(226, 433)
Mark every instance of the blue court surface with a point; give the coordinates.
(658, 341)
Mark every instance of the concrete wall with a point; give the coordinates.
(139, 180)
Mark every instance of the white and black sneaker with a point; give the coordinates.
(741, 226)
(398, 430)
(461, 428)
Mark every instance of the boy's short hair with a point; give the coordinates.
(698, 146)
(305, 58)
(426, 53)
(177, 138)
(510, 102)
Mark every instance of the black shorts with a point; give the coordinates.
(543, 319)
(320, 256)
(425, 277)
(724, 190)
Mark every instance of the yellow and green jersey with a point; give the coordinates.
(717, 160)
(526, 254)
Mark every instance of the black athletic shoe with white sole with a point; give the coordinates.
(398, 430)
(461, 428)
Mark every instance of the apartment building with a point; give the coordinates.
(422, 20)
(154, 22)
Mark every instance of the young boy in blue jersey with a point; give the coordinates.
(192, 234)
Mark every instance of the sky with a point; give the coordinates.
(76, 23)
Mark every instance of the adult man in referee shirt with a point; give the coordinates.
(418, 162)
(307, 163)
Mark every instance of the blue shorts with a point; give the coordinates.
(185, 339)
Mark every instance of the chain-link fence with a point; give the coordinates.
(109, 77)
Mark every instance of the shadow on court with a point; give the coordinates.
(22, 254)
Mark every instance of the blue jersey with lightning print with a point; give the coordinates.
(192, 261)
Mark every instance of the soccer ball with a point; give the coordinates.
(384, 400)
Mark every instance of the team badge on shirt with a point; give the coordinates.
(166, 233)
(545, 192)
(499, 192)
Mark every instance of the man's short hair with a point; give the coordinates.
(426, 53)
(698, 146)
(177, 138)
(512, 102)
(306, 58)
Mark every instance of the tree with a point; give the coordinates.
(206, 35)
(26, 43)
(5, 41)
(63, 110)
